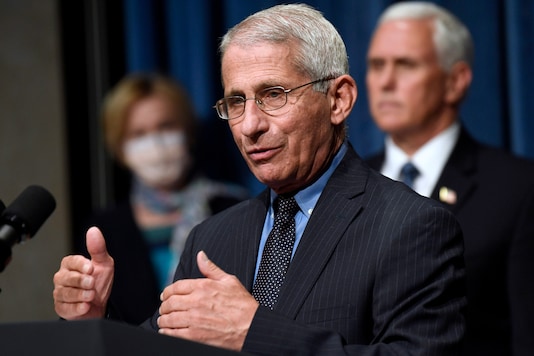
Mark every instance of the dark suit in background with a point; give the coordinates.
(370, 275)
(495, 208)
(419, 72)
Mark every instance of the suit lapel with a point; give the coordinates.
(254, 218)
(457, 181)
(335, 210)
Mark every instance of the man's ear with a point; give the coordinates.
(343, 97)
(458, 82)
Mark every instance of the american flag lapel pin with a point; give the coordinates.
(447, 195)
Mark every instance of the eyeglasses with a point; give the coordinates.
(268, 99)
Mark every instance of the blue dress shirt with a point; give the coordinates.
(306, 199)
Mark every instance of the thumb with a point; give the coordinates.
(96, 245)
(208, 268)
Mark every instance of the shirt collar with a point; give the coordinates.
(308, 197)
(429, 159)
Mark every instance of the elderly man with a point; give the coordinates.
(332, 258)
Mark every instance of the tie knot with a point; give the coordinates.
(286, 206)
(408, 173)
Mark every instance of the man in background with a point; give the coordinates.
(419, 71)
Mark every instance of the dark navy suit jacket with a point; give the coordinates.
(495, 208)
(379, 270)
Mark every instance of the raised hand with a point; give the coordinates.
(82, 286)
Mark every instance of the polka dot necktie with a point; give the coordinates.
(408, 174)
(276, 253)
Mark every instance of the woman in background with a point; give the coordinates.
(149, 127)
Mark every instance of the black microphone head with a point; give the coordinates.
(30, 209)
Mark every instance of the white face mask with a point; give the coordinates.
(158, 159)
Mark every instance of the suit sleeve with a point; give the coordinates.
(521, 282)
(417, 299)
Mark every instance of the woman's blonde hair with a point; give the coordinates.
(130, 90)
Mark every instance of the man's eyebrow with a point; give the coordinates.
(394, 60)
(234, 92)
(257, 88)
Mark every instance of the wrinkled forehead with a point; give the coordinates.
(262, 63)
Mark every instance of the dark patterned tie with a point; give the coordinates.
(276, 253)
(408, 174)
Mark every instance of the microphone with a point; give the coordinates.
(21, 220)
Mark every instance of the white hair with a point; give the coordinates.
(320, 50)
(452, 39)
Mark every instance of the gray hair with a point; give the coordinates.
(452, 39)
(320, 51)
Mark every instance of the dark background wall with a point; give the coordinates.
(33, 150)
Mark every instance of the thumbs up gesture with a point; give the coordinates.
(82, 286)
